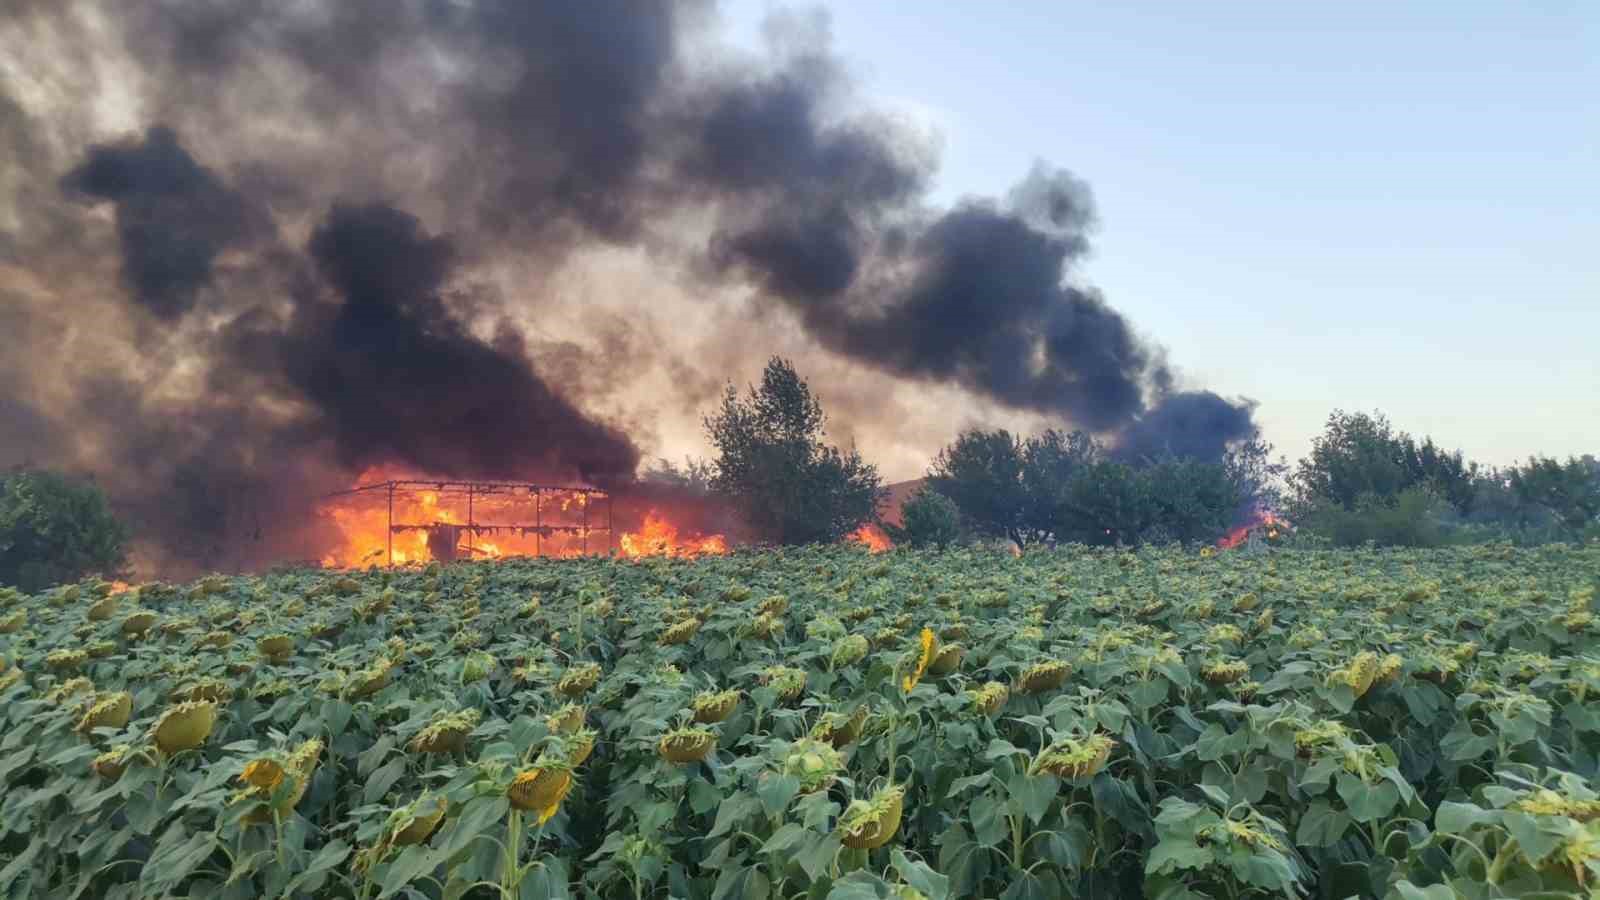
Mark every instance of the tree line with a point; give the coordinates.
(1363, 482)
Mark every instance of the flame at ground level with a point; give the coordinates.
(659, 537)
(1265, 520)
(874, 537)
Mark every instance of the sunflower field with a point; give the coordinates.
(817, 723)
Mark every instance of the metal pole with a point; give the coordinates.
(611, 525)
(538, 522)
(585, 523)
(470, 534)
(389, 532)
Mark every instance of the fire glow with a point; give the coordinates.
(1270, 524)
(433, 524)
(873, 537)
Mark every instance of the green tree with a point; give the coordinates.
(1106, 503)
(1049, 463)
(773, 466)
(55, 529)
(982, 473)
(930, 520)
(1189, 501)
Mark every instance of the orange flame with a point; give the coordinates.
(873, 536)
(120, 587)
(361, 525)
(659, 537)
(1273, 525)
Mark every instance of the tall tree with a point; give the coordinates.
(773, 465)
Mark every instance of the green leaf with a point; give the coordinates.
(381, 781)
(920, 876)
(477, 817)
(784, 838)
(1366, 802)
(1175, 853)
(818, 855)
(1408, 891)
(1321, 825)
(961, 784)
(776, 791)
(1459, 818)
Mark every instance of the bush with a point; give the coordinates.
(931, 520)
(55, 529)
(1413, 518)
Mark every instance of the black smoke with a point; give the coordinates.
(296, 279)
(1191, 425)
(398, 378)
(173, 216)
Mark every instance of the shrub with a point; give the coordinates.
(55, 529)
(930, 520)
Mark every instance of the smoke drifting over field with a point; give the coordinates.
(248, 249)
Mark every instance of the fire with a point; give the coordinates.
(659, 537)
(873, 536)
(434, 525)
(120, 587)
(1272, 525)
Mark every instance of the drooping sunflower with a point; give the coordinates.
(417, 821)
(711, 707)
(869, 824)
(185, 726)
(1074, 757)
(928, 643)
(447, 733)
(107, 711)
(540, 788)
(686, 745)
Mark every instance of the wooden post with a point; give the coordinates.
(389, 532)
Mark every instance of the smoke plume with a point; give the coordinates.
(250, 249)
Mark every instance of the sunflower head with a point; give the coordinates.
(1357, 674)
(869, 824)
(1074, 757)
(111, 764)
(540, 788)
(1224, 670)
(686, 745)
(991, 698)
(711, 707)
(102, 609)
(840, 729)
(107, 711)
(417, 821)
(947, 660)
(679, 633)
(138, 622)
(578, 680)
(185, 726)
(65, 660)
(849, 650)
(1043, 676)
(276, 648)
(788, 682)
(814, 763)
(927, 648)
(565, 720)
(447, 733)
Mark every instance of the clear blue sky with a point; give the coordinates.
(1356, 204)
